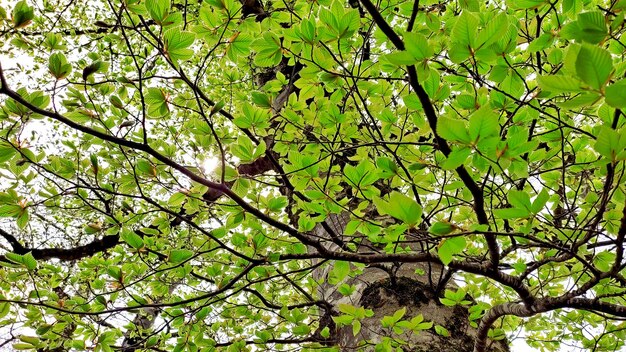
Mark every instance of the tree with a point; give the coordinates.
(312, 175)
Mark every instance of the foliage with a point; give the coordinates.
(486, 136)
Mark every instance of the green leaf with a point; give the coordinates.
(583, 99)
(456, 158)
(277, 203)
(401, 58)
(22, 219)
(417, 45)
(356, 327)
(457, 296)
(308, 30)
(22, 14)
(157, 100)
(450, 247)
(22, 346)
(7, 151)
(93, 228)
(115, 272)
(459, 52)
(594, 66)
(483, 123)
(592, 27)
(252, 117)
(245, 150)
(400, 207)
(54, 41)
(177, 44)
(348, 23)
(177, 199)
(158, 9)
(58, 66)
(239, 46)
(145, 167)
(268, 50)
(339, 22)
(453, 130)
(615, 94)
(519, 199)
(440, 330)
(559, 84)
(261, 99)
(391, 321)
(5, 308)
(610, 143)
(10, 210)
(14, 257)
(555, 56)
(132, 238)
(569, 61)
(343, 319)
(604, 260)
(179, 255)
(542, 42)
(399, 314)
(301, 329)
(470, 5)
(464, 30)
(93, 158)
(492, 31)
(540, 201)
(115, 100)
(387, 167)
(29, 261)
(364, 174)
(441, 228)
(341, 269)
(525, 4)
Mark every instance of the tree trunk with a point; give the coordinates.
(386, 290)
(382, 289)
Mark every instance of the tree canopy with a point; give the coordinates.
(312, 175)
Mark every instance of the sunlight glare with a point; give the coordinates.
(210, 164)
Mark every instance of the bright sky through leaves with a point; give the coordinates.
(312, 175)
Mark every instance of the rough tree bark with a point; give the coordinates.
(386, 290)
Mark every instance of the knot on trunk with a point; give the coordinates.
(403, 290)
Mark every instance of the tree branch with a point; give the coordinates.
(62, 254)
(492, 315)
(431, 116)
(165, 160)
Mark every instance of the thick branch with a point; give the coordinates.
(63, 254)
(492, 315)
(102, 28)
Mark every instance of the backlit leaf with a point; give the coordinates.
(450, 247)
(23, 14)
(594, 66)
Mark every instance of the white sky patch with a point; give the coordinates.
(210, 164)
